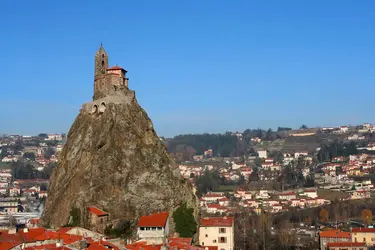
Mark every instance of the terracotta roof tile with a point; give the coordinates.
(334, 234)
(9, 245)
(346, 244)
(102, 245)
(363, 230)
(217, 222)
(32, 234)
(153, 220)
(181, 240)
(97, 211)
(115, 68)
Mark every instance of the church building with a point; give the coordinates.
(107, 80)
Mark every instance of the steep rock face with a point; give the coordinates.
(114, 160)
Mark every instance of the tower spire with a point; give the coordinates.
(101, 61)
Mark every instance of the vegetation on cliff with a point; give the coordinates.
(184, 221)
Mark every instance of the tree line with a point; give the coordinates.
(225, 145)
(255, 231)
(336, 148)
(23, 170)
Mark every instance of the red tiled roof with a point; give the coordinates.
(102, 245)
(213, 205)
(334, 234)
(186, 241)
(115, 68)
(97, 211)
(7, 237)
(153, 220)
(9, 245)
(42, 247)
(70, 238)
(142, 245)
(32, 234)
(346, 244)
(288, 193)
(217, 221)
(47, 235)
(363, 230)
(213, 195)
(63, 230)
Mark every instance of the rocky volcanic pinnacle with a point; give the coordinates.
(114, 160)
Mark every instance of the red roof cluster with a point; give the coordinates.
(153, 220)
(102, 245)
(217, 222)
(173, 244)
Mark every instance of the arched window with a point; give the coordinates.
(103, 63)
(102, 55)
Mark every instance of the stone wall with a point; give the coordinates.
(108, 84)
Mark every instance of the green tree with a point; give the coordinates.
(49, 152)
(281, 129)
(122, 229)
(29, 155)
(43, 135)
(75, 217)
(184, 221)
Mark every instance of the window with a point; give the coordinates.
(206, 235)
(214, 241)
(364, 239)
(222, 239)
(202, 244)
(222, 230)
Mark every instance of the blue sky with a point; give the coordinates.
(196, 66)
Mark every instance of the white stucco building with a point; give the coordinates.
(262, 153)
(217, 231)
(153, 228)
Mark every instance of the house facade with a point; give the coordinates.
(217, 231)
(153, 228)
(98, 219)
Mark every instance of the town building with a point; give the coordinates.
(107, 80)
(346, 246)
(364, 235)
(217, 231)
(333, 236)
(98, 219)
(153, 228)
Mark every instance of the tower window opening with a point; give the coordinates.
(102, 63)
(102, 55)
